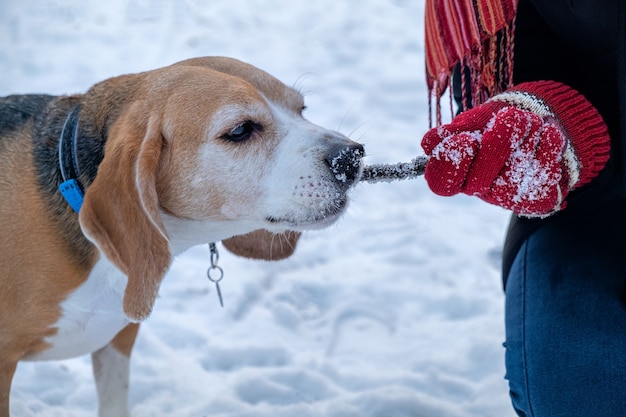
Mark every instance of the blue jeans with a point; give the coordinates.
(566, 319)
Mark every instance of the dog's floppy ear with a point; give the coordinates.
(120, 213)
(262, 244)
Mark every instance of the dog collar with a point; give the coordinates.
(70, 188)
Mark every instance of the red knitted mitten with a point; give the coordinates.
(523, 150)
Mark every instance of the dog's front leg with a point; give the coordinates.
(7, 370)
(111, 369)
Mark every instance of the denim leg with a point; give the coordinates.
(566, 323)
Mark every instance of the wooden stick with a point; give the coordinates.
(394, 172)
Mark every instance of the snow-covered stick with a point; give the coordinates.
(393, 172)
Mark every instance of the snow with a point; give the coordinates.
(395, 311)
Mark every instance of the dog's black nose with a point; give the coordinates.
(344, 161)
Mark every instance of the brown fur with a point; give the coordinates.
(129, 230)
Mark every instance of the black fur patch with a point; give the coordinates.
(46, 134)
(16, 110)
(47, 127)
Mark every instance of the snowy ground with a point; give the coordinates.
(396, 311)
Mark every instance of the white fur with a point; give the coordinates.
(302, 193)
(111, 371)
(91, 315)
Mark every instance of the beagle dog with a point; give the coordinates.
(100, 190)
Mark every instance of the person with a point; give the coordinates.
(541, 89)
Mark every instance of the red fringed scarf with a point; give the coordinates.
(478, 34)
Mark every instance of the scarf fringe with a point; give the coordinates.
(486, 59)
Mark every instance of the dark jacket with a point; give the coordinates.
(580, 43)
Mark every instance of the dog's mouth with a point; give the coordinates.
(313, 219)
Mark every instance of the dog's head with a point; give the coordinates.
(205, 150)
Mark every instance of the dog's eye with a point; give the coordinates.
(242, 132)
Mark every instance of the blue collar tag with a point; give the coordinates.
(72, 193)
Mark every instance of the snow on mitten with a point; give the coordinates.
(524, 149)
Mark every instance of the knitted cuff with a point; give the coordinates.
(582, 124)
